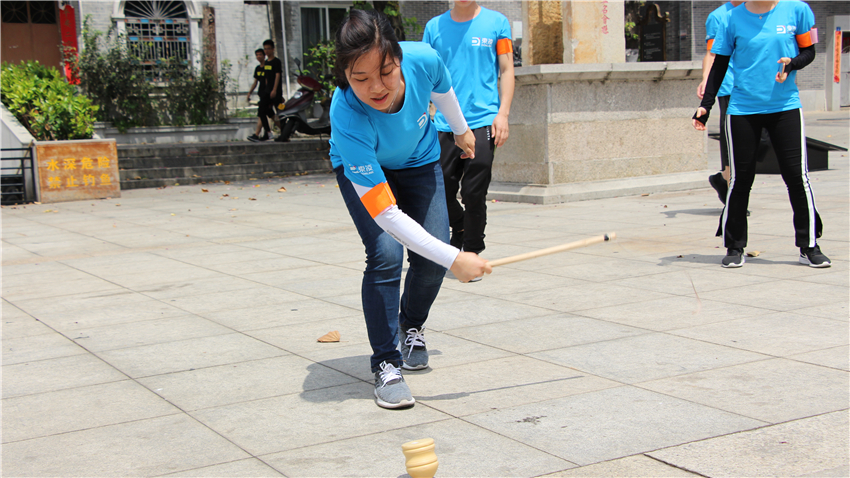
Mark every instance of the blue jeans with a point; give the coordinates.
(420, 193)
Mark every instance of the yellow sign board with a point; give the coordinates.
(77, 170)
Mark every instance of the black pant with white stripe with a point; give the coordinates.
(787, 134)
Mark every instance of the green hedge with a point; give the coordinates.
(43, 101)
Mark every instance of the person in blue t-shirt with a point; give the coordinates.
(767, 41)
(385, 154)
(714, 24)
(475, 43)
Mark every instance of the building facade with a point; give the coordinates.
(228, 30)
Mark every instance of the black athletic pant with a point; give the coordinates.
(472, 177)
(787, 135)
(265, 110)
(723, 102)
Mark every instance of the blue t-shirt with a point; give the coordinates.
(714, 25)
(469, 50)
(364, 140)
(756, 42)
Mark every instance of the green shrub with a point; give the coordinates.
(320, 61)
(196, 97)
(114, 80)
(173, 94)
(43, 101)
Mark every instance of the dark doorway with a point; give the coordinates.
(30, 31)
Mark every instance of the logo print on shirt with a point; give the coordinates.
(485, 42)
(782, 29)
(367, 169)
(422, 120)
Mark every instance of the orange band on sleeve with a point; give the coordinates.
(805, 40)
(710, 44)
(378, 199)
(505, 45)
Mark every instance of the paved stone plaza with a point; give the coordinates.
(172, 332)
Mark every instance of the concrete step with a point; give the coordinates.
(217, 159)
(205, 149)
(157, 165)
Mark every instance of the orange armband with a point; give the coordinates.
(378, 199)
(505, 45)
(709, 45)
(807, 39)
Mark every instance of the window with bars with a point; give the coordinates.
(157, 31)
(29, 12)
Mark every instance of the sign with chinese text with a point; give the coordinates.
(76, 170)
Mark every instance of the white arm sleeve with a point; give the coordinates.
(412, 235)
(448, 105)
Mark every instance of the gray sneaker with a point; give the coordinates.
(390, 389)
(413, 351)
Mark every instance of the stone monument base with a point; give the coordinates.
(592, 123)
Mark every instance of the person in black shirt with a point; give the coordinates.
(272, 92)
(259, 71)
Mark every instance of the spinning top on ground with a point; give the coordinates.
(421, 461)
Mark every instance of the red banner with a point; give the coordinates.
(836, 75)
(68, 28)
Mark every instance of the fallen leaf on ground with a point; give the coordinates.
(205, 190)
(332, 336)
(281, 190)
(753, 253)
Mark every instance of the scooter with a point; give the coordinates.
(293, 117)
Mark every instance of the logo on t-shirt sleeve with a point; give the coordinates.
(422, 120)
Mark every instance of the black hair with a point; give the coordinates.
(360, 31)
(259, 50)
(268, 42)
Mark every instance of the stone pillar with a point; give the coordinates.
(593, 31)
(542, 27)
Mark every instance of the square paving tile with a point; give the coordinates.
(243, 382)
(646, 357)
(637, 466)
(609, 424)
(146, 332)
(674, 312)
(81, 408)
(189, 354)
(781, 334)
(544, 333)
(498, 383)
(814, 446)
(38, 347)
(250, 468)
(300, 311)
(835, 357)
(141, 448)
(462, 450)
(772, 391)
(585, 296)
(57, 374)
(256, 426)
(478, 311)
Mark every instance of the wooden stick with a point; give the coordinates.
(553, 250)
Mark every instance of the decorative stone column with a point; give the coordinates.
(593, 31)
(543, 32)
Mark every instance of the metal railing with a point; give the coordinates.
(16, 171)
